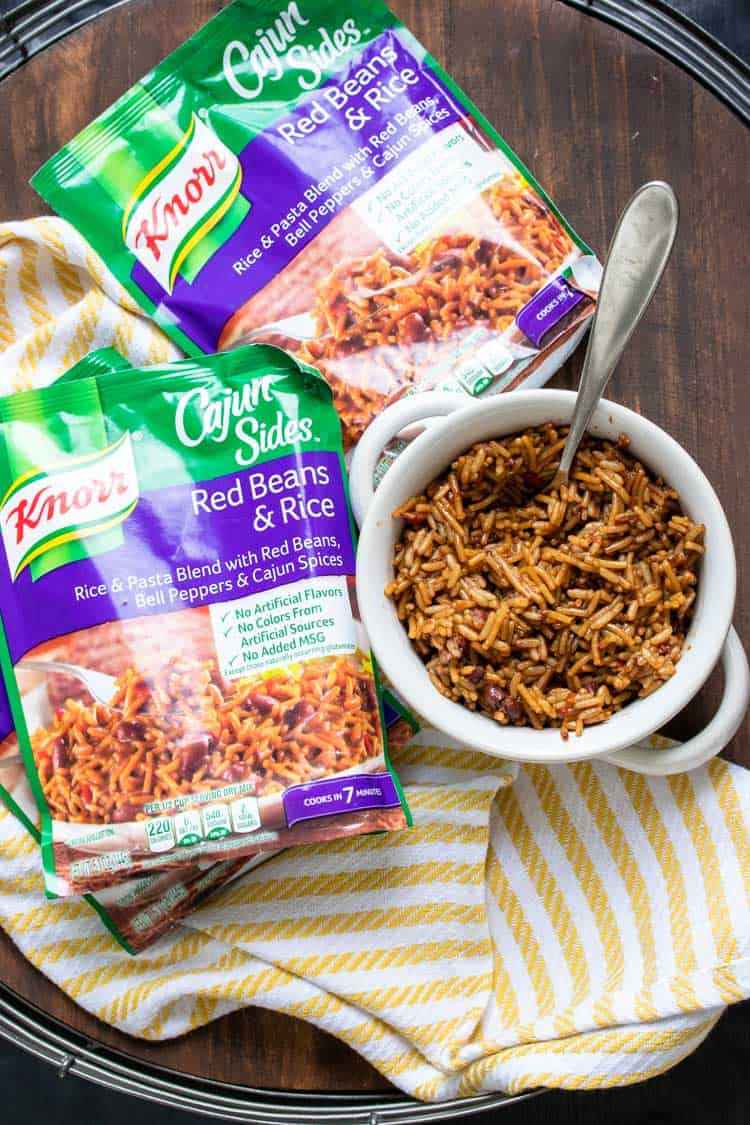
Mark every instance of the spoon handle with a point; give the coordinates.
(50, 666)
(637, 255)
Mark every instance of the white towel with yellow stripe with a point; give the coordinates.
(576, 927)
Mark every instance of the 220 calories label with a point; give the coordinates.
(213, 821)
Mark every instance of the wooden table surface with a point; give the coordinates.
(594, 114)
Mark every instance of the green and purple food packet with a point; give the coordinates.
(312, 177)
(185, 530)
(137, 912)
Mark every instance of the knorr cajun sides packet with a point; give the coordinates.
(192, 517)
(137, 912)
(306, 174)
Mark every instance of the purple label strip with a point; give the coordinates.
(166, 536)
(547, 308)
(335, 795)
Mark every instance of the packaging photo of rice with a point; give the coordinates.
(138, 911)
(187, 730)
(186, 666)
(388, 322)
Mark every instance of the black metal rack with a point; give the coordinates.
(29, 27)
(680, 39)
(72, 1054)
(25, 30)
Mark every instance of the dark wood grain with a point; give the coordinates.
(594, 114)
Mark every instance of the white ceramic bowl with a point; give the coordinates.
(452, 426)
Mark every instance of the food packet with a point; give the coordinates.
(137, 912)
(194, 517)
(310, 176)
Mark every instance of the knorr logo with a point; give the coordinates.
(180, 201)
(87, 496)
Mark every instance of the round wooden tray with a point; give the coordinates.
(594, 112)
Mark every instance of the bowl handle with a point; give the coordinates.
(423, 407)
(684, 756)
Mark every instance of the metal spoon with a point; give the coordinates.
(636, 258)
(100, 686)
(300, 327)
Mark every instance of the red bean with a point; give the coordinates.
(512, 709)
(130, 730)
(195, 755)
(353, 344)
(124, 814)
(485, 251)
(60, 759)
(449, 261)
(302, 709)
(369, 697)
(415, 329)
(492, 697)
(263, 703)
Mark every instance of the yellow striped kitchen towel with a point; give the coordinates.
(575, 927)
(58, 303)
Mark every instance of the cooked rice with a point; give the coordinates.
(556, 610)
(383, 320)
(188, 731)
